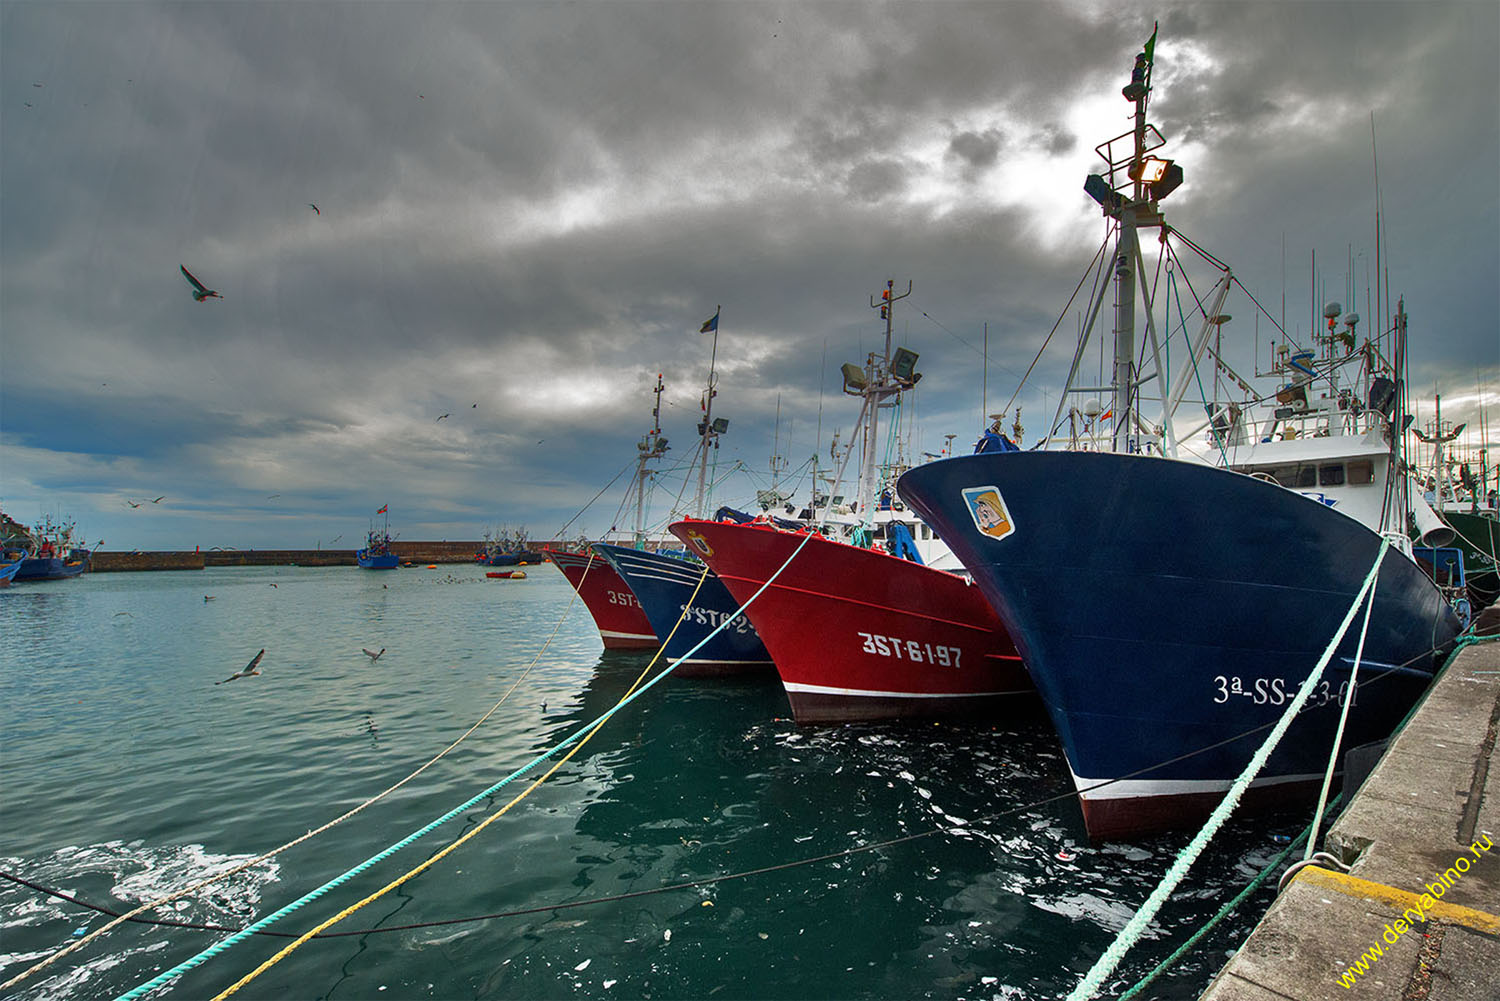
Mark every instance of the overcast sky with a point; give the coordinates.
(525, 211)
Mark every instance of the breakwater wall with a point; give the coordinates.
(409, 552)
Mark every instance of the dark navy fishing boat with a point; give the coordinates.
(1169, 608)
(667, 585)
(53, 555)
(664, 582)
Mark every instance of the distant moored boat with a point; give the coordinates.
(378, 554)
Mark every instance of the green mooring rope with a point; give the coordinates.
(1138, 923)
(1224, 912)
(159, 980)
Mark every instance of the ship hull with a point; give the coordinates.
(1168, 611)
(616, 612)
(684, 612)
(857, 634)
(376, 561)
(51, 568)
(1479, 538)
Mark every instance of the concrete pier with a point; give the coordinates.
(409, 552)
(1418, 914)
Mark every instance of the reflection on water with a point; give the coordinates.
(119, 746)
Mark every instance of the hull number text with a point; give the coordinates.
(912, 650)
(711, 617)
(1278, 691)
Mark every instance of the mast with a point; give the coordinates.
(709, 430)
(880, 385)
(778, 461)
(1132, 205)
(651, 446)
(1123, 379)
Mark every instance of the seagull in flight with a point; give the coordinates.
(445, 415)
(313, 207)
(132, 503)
(250, 669)
(372, 654)
(160, 499)
(200, 291)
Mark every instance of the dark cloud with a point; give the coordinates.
(533, 206)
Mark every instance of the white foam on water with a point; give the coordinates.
(135, 873)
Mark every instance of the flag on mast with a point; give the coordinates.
(711, 324)
(383, 509)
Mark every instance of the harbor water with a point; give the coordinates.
(910, 860)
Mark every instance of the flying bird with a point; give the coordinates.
(372, 655)
(273, 496)
(445, 415)
(250, 669)
(200, 292)
(160, 499)
(273, 585)
(313, 207)
(132, 503)
(208, 597)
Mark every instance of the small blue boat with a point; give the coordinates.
(8, 567)
(377, 553)
(663, 583)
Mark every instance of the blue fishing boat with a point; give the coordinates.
(53, 554)
(667, 586)
(9, 564)
(377, 553)
(664, 582)
(1169, 608)
(506, 548)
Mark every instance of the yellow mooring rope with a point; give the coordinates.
(194, 887)
(418, 870)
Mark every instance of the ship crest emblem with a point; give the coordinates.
(699, 543)
(989, 512)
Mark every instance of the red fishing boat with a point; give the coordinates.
(622, 624)
(616, 611)
(867, 621)
(859, 634)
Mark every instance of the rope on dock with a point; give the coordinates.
(142, 989)
(209, 881)
(1138, 923)
(1338, 734)
(1224, 912)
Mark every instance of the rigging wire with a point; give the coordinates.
(1098, 256)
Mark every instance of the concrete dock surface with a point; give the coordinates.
(1417, 916)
